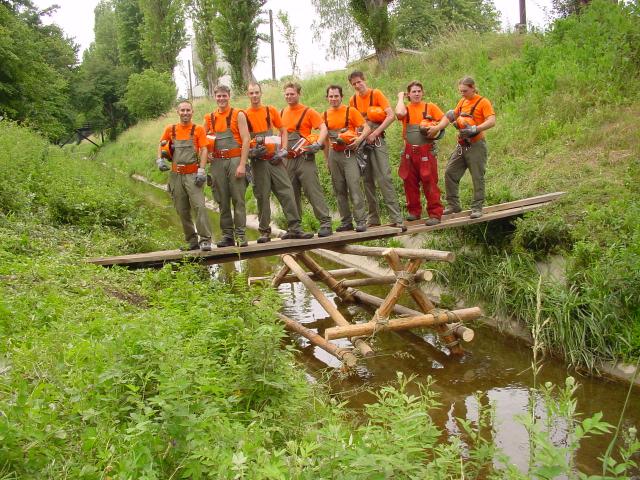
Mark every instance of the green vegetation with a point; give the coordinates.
(112, 373)
(149, 94)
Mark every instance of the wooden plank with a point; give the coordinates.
(422, 253)
(337, 273)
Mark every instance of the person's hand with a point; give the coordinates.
(372, 137)
(352, 146)
(257, 152)
(313, 148)
(468, 132)
(402, 95)
(201, 177)
(451, 116)
(162, 164)
(432, 132)
(241, 171)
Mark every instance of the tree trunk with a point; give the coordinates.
(385, 55)
(245, 66)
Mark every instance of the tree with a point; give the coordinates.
(564, 8)
(236, 32)
(38, 64)
(418, 22)
(203, 13)
(372, 16)
(149, 94)
(289, 33)
(129, 21)
(163, 32)
(334, 18)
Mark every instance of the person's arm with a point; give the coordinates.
(366, 132)
(243, 129)
(323, 133)
(488, 123)
(401, 108)
(284, 137)
(203, 157)
(383, 126)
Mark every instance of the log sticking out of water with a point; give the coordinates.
(411, 253)
(327, 304)
(421, 276)
(427, 320)
(338, 273)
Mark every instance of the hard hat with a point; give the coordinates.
(464, 120)
(299, 147)
(376, 114)
(427, 122)
(269, 146)
(165, 150)
(346, 137)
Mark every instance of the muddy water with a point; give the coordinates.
(495, 365)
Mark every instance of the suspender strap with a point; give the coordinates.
(473, 109)
(301, 118)
(193, 129)
(346, 119)
(173, 132)
(268, 120)
(355, 99)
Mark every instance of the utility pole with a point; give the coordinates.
(190, 84)
(273, 58)
(522, 26)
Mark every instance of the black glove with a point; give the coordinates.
(257, 152)
(162, 164)
(468, 132)
(201, 177)
(313, 148)
(451, 116)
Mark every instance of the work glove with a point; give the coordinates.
(451, 116)
(313, 148)
(468, 132)
(278, 157)
(257, 152)
(162, 164)
(201, 177)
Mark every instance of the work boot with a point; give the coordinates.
(373, 225)
(189, 247)
(325, 232)
(431, 221)
(264, 238)
(205, 245)
(225, 242)
(400, 225)
(297, 235)
(361, 228)
(344, 228)
(451, 209)
(412, 218)
(475, 214)
(241, 241)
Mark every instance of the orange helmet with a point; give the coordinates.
(165, 150)
(425, 123)
(211, 142)
(464, 120)
(260, 140)
(346, 137)
(376, 114)
(300, 145)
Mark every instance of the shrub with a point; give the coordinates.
(149, 94)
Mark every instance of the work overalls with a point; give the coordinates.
(185, 193)
(419, 165)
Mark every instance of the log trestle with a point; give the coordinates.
(407, 277)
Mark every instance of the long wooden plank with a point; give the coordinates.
(277, 246)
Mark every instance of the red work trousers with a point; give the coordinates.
(419, 165)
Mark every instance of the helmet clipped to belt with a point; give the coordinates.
(345, 138)
(376, 114)
(166, 150)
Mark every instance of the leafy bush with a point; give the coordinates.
(149, 94)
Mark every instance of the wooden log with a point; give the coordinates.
(337, 273)
(346, 356)
(401, 323)
(330, 308)
(398, 288)
(424, 254)
(277, 279)
(463, 333)
(421, 276)
(337, 287)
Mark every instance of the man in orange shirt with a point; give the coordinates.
(299, 120)
(228, 166)
(344, 169)
(269, 172)
(419, 163)
(378, 169)
(472, 116)
(188, 144)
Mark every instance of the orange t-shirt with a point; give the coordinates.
(257, 119)
(183, 132)
(220, 124)
(336, 118)
(483, 110)
(415, 115)
(291, 117)
(372, 98)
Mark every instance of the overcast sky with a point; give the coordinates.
(76, 19)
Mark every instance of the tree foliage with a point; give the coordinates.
(372, 16)
(236, 32)
(333, 18)
(37, 66)
(129, 21)
(149, 94)
(203, 13)
(289, 33)
(163, 32)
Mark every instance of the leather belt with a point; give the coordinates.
(229, 153)
(184, 169)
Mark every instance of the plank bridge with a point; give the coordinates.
(405, 264)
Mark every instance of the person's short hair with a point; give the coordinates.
(296, 86)
(468, 81)
(255, 84)
(415, 83)
(222, 88)
(355, 74)
(334, 87)
(184, 100)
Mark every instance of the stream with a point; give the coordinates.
(498, 366)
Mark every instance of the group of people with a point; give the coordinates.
(280, 149)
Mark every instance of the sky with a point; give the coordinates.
(75, 17)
